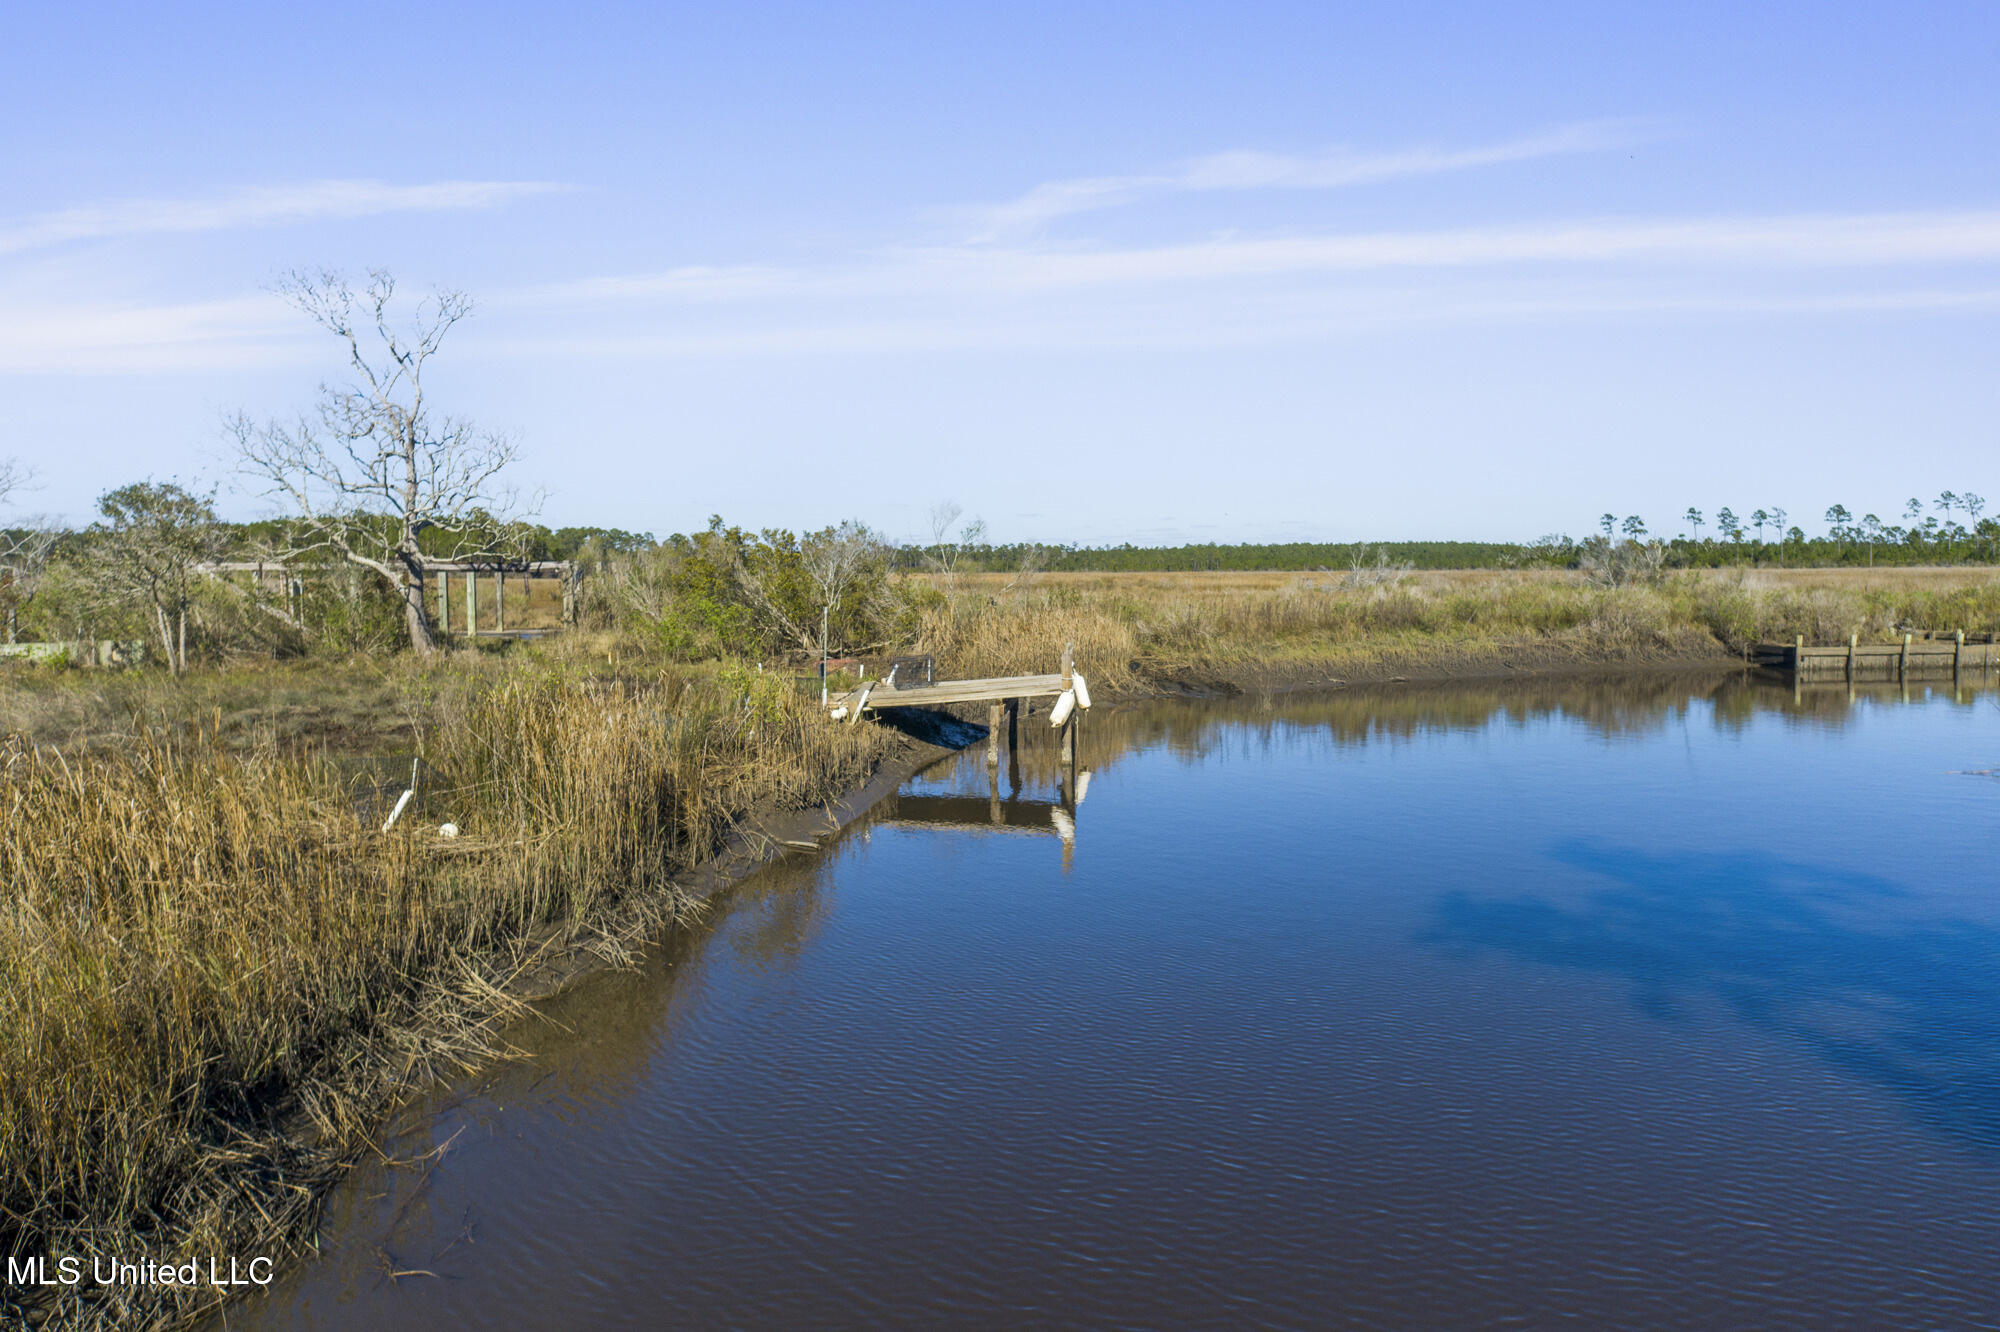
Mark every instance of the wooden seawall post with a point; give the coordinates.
(444, 601)
(1853, 643)
(993, 711)
(1903, 661)
(1069, 683)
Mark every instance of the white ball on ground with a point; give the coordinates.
(447, 830)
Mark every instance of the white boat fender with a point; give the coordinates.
(1082, 689)
(1064, 706)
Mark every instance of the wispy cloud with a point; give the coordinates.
(133, 338)
(260, 206)
(1775, 243)
(1334, 168)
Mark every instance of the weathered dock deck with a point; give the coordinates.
(1914, 654)
(1004, 696)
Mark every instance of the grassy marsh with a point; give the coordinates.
(216, 969)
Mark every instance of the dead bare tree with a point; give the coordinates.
(372, 469)
(25, 546)
(945, 552)
(838, 560)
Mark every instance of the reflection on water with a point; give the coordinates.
(1810, 951)
(1639, 1001)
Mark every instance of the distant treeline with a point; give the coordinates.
(1248, 557)
(1843, 546)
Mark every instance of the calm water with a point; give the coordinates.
(1643, 1004)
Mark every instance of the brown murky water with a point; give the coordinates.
(1616, 1003)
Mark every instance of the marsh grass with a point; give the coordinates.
(215, 970)
(1137, 630)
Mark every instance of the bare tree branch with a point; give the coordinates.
(373, 474)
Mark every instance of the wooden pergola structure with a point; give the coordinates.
(470, 572)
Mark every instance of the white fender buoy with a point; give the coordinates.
(1082, 689)
(447, 830)
(1064, 706)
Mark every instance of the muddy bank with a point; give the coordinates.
(767, 833)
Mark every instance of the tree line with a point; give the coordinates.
(379, 485)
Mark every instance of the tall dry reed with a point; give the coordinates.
(214, 965)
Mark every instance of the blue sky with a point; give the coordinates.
(1097, 272)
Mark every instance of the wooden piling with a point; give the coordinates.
(1853, 643)
(993, 711)
(1903, 661)
(1957, 653)
(444, 601)
(499, 601)
(471, 604)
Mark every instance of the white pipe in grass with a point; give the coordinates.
(397, 812)
(1064, 706)
(1082, 689)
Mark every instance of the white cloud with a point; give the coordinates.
(1334, 168)
(260, 206)
(1768, 244)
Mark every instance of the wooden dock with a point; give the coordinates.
(1928, 653)
(1004, 696)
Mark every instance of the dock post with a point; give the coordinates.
(1013, 725)
(993, 711)
(1903, 661)
(1853, 642)
(444, 601)
(1798, 655)
(471, 603)
(1957, 652)
(500, 600)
